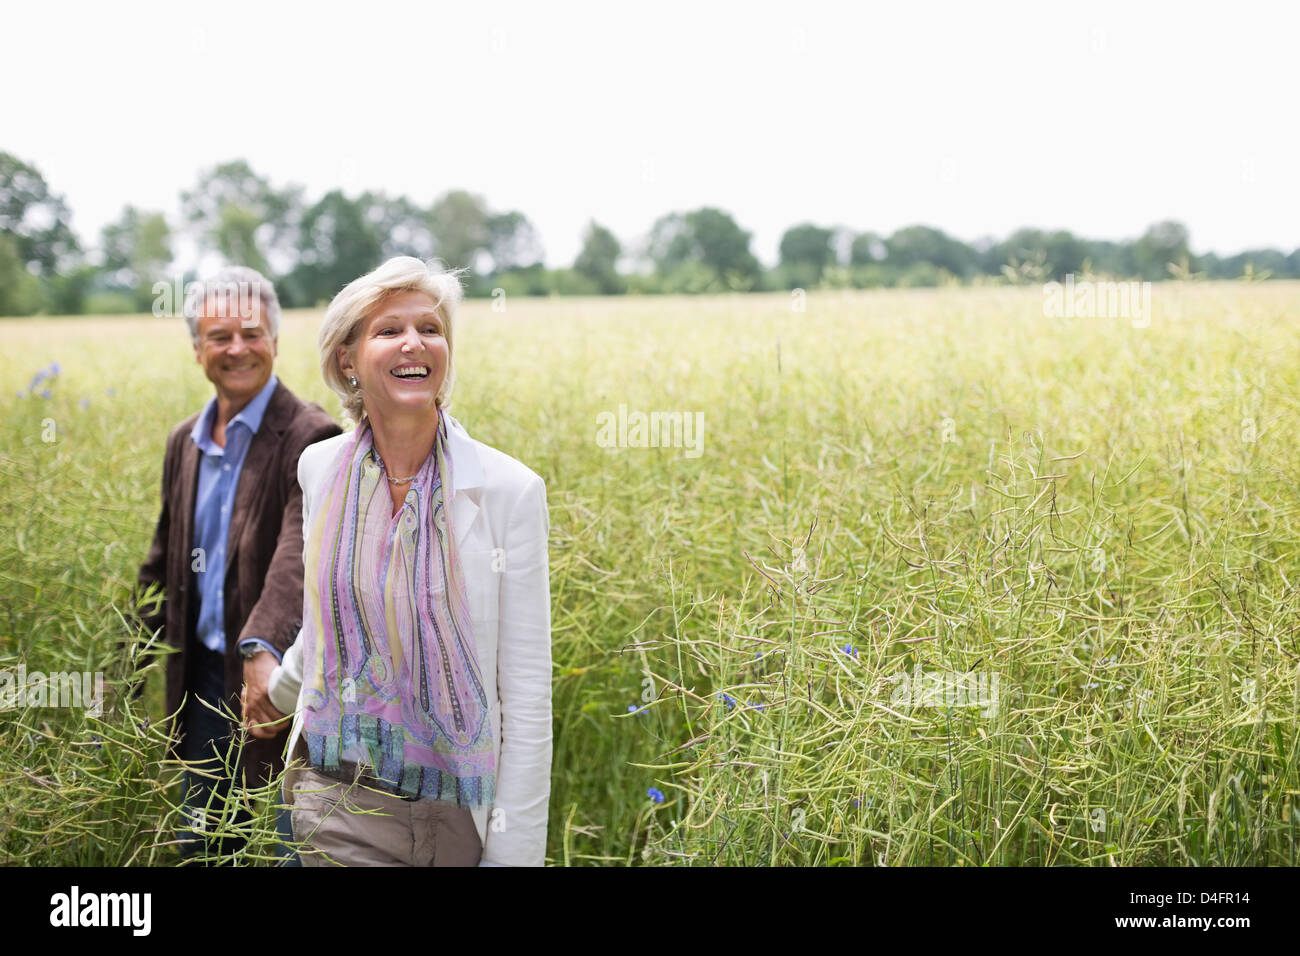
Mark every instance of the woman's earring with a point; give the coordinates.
(352, 380)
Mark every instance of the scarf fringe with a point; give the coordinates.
(388, 770)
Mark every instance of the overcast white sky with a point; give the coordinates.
(976, 118)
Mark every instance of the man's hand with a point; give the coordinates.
(258, 708)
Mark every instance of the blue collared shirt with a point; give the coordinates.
(219, 470)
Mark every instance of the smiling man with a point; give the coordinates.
(227, 550)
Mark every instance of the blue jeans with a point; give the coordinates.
(284, 826)
(207, 742)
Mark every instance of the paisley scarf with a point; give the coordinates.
(391, 681)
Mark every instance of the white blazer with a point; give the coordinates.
(501, 524)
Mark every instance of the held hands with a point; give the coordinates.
(261, 718)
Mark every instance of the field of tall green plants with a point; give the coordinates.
(951, 581)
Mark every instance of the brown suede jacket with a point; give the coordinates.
(263, 573)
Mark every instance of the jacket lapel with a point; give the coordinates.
(467, 479)
(254, 471)
(187, 478)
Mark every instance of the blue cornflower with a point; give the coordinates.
(855, 802)
(109, 391)
(850, 650)
(655, 794)
(755, 706)
(45, 393)
(83, 404)
(730, 701)
(54, 368)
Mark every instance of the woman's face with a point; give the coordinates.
(400, 356)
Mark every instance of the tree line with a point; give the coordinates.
(313, 248)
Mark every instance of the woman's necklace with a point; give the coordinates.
(396, 481)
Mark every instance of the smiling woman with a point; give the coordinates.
(397, 362)
(420, 682)
(402, 307)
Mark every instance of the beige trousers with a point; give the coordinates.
(331, 818)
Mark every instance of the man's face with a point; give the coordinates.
(235, 347)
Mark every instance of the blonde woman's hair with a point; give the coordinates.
(345, 315)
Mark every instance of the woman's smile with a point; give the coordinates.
(412, 372)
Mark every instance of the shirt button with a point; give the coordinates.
(225, 467)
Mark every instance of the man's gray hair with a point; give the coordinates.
(238, 283)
